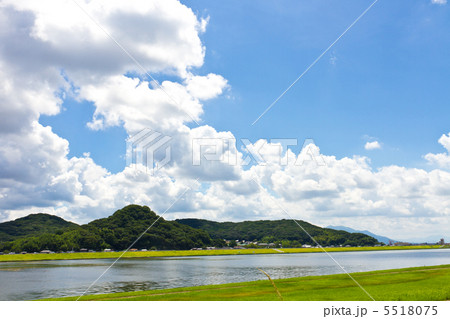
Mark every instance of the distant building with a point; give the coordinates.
(402, 244)
(442, 241)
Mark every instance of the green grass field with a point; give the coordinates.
(408, 284)
(181, 253)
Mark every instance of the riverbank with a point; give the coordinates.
(406, 284)
(187, 253)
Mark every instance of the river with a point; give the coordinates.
(59, 278)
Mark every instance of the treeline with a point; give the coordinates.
(34, 225)
(39, 232)
(279, 231)
(118, 232)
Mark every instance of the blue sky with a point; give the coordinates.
(384, 80)
(376, 105)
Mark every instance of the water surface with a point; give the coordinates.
(59, 278)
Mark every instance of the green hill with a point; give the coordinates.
(125, 225)
(34, 225)
(279, 230)
(117, 232)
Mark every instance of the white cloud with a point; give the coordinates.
(206, 87)
(441, 160)
(444, 140)
(120, 100)
(161, 35)
(441, 2)
(24, 97)
(40, 39)
(32, 167)
(372, 145)
(210, 144)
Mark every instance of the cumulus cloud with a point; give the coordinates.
(121, 100)
(441, 160)
(375, 145)
(444, 140)
(161, 35)
(206, 87)
(52, 49)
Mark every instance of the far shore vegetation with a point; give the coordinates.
(203, 252)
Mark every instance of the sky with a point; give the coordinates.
(361, 140)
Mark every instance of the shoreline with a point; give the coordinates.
(194, 253)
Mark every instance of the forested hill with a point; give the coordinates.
(279, 230)
(117, 232)
(34, 225)
(125, 225)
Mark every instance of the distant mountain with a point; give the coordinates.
(381, 239)
(278, 230)
(34, 225)
(117, 232)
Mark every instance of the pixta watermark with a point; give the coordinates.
(261, 153)
(149, 149)
(152, 150)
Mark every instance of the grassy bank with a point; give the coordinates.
(181, 253)
(409, 284)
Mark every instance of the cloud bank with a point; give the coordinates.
(53, 50)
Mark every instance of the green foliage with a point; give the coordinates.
(218, 243)
(232, 244)
(34, 225)
(285, 233)
(125, 225)
(204, 252)
(46, 232)
(117, 232)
